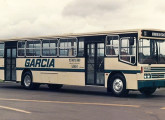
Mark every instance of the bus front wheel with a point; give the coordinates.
(27, 81)
(118, 85)
(148, 91)
(55, 86)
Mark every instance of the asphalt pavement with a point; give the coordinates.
(77, 103)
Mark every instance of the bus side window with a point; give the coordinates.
(81, 47)
(68, 47)
(21, 48)
(1, 49)
(128, 49)
(49, 47)
(112, 45)
(33, 48)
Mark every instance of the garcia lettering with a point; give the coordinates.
(40, 63)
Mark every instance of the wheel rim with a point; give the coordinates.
(27, 81)
(117, 85)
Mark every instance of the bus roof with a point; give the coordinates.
(81, 34)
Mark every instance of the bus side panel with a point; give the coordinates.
(131, 80)
(68, 78)
(70, 71)
(72, 78)
(106, 78)
(130, 72)
(45, 77)
(2, 72)
(18, 74)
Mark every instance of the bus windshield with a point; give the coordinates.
(151, 51)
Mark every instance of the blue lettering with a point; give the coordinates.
(27, 63)
(51, 63)
(48, 63)
(32, 63)
(44, 62)
(40, 63)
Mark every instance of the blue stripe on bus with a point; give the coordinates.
(154, 70)
(2, 68)
(78, 70)
(53, 69)
(151, 83)
(124, 71)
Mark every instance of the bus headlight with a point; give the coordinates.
(147, 76)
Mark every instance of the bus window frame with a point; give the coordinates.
(79, 40)
(49, 47)
(128, 55)
(3, 50)
(106, 40)
(71, 47)
(21, 48)
(33, 48)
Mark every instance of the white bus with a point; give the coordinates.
(117, 60)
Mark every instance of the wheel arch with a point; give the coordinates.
(113, 73)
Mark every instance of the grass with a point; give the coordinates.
(1, 80)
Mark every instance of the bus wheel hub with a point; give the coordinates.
(117, 85)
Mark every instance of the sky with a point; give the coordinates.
(31, 18)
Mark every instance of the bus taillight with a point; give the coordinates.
(141, 69)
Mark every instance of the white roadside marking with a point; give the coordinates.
(15, 109)
(163, 108)
(79, 103)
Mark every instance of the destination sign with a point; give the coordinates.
(148, 33)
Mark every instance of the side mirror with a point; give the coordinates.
(131, 41)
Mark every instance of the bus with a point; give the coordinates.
(117, 60)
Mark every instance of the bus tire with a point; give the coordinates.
(55, 86)
(148, 91)
(118, 85)
(27, 81)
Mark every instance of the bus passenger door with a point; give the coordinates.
(95, 64)
(100, 64)
(10, 61)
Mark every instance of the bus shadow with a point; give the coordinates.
(131, 95)
(87, 91)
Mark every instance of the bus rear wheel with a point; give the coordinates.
(118, 85)
(27, 81)
(55, 86)
(148, 90)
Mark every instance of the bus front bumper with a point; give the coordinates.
(151, 83)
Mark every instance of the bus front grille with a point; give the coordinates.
(154, 72)
(157, 75)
